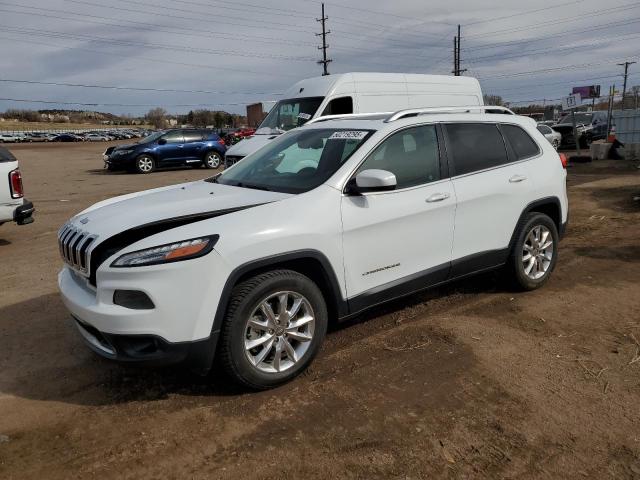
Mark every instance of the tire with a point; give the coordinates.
(246, 321)
(533, 228)
(212, 159)
(145, 164)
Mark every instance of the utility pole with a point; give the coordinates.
(626, 74)
(457, 71)
(325, 61)
(455, 56)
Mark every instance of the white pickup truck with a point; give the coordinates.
(13, 206)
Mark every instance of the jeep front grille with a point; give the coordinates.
(75, 248)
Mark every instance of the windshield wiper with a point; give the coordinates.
(252, 186)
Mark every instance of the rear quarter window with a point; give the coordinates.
(475, 146)
(522, 144)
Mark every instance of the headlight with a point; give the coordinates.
(123, 152)
(171, 252)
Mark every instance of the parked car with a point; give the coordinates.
(94, 137)
(13, 206)
(8, 138)
(66, 137)
(348, 93)
(166, 149)
(555, 138)
(591, 126)
(36, 137)
(330, 219)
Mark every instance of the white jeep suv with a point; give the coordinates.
(248, 267)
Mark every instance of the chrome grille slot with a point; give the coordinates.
(75, 248)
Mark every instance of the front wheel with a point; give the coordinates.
(535, 251)
(274, 327)
(212, 159)
(145, 164)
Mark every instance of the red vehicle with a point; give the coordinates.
(244, 132)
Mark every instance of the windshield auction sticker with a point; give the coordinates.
(349, 135)
(304, 116)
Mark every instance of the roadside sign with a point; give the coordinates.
(571, 102)
(590, 91)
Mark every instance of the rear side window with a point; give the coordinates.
(543, 129)
(475, 146)
(174, 137)
(339, 106)
(192, 136)
(522, 144)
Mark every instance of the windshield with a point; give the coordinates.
(297, 162)
(151, 138)
(581, 118)
(288, 114)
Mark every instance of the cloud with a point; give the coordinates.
(252, 49)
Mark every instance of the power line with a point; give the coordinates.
(157, 46)
(520, 14)
(135, 89)
(325, 61)
(98, 104)
(566, 47)
(149, 26)
(555, 22)
(154, 60)
(552, 69)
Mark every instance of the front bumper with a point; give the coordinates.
(148, 349)
(119, 161)
(23, 215)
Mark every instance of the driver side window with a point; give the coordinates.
(412, 155)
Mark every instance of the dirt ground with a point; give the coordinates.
(467, 381)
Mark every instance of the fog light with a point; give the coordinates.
(133, 299)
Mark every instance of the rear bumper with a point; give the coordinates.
(23, 215)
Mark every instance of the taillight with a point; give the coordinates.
(15, 182)
(563, 160)
(221, 141)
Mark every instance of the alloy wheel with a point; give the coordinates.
(279, 332)
(145, 164)
(537, 252)
(213, 160)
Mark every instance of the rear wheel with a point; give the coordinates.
(145, 164)
(535, 251)
(274, 327)
(212, 159)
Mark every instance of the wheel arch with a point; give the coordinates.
(311, 263)
(549, 206)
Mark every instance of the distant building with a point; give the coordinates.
(256, 113)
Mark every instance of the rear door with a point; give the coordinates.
(399, 241)
(193, 145)
(493, 185)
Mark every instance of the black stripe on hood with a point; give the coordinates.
(123, 239)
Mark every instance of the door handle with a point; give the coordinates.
(517, 179)
(437, 197)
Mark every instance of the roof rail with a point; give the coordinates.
(412, 112)
(347, 116)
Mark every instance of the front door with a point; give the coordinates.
(399, 241)
(173, 149)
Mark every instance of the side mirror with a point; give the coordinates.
(373, 180)
(162, 141)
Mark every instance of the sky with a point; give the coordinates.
(189, 54)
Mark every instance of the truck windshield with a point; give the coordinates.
(288, 114)
(296, 162)
(581, 118)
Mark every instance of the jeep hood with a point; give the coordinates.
(197, 199)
